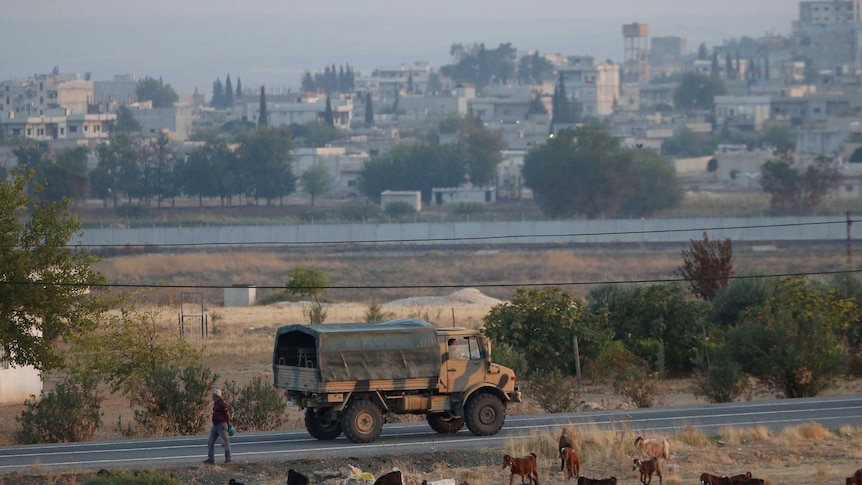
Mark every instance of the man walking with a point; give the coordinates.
(221, 422)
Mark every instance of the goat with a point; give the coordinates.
(739, 478)
(597, 481)
(709, 479)
(234, 482)
(391, 478)
(566, 441)
(741, 481)
(654, 447)
(296, 478)
(856, 479)
(647, 468)
(570, 458)
(525, 467)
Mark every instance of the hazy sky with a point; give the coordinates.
(190, 42)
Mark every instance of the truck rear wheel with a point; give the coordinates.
(485, 414)
(445, 422)
(362, 421)
(320, 426)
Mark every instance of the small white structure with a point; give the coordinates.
(459, 195)
(412, 197)
(18, 383)
(240, 295)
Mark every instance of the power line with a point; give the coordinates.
(457, 239)
(437, 286)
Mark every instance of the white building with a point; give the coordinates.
(177, 120)
(40, 94)
(463, 195)
(18, 383)
(308, 108)
(595, 88)
(410, 197)
(747, 112)
(119, 91)
(343, 166)
(57, 125)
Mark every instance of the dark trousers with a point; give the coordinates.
(218, 430)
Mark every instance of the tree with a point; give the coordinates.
(315, 181)
(162, 172)
(731, 302)
(212, 170)
(217, 100)
(418, 166)
(580, 171)
(702, 52)
(228, 92)
(43, 298)
(314, 134)
(238, 88)
(657, 322)
(794, 188)
(697, 92)
(328, 118)
(162, 95)
(410, 82)
(562, 108)
(66, 176)
(655, 185)
(541, 323)
(794, 343)
(480, 66)
(707, 266)
(117, 172)
(263, 119)
(126, 122)
(309, 282)
(127, 346)
(264, 157)
(686, 143)
(537, 107)
(369, 110)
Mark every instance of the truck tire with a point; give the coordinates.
(485, 414)
(445, 423)
(320, 427)
(362, 421)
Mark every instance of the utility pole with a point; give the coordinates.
(849, 242)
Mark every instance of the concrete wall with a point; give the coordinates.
(18, 383)
(240, 296)
(513, 232)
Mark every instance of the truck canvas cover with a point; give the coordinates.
(397, 349)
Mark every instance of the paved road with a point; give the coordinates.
(407, 438)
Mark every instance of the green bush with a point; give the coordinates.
(555, 392)
(359, 212)
(638, 385)
(71, 412)
(255, 407)
(132, 478)
(395, 209)
(613, 361)
(722, 381)
(174, 400)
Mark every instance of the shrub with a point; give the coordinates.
(637, 384)
(555, 392)
(174, 400)
(395, 209)
(71, 412)
(720, 382)
(469, 208)
(359, 212)
(255, 407)
(374, 312)
(132, 211)
(613, 361)
(132, 478)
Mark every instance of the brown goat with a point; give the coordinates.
(709, 479)
(647, 468)
(856, 479)
(597, 481)
(572, 461)
(654, 447)
(391, 478)
(566, 440)
(742, 481)
(739, 478)
(525, 467)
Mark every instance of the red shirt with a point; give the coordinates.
(220, 411)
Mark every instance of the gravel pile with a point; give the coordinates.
(467, 296)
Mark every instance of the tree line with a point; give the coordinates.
(330, 80)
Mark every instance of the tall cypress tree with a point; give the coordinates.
(369, 110)
(217, 100)
(238, 88)
(560, 103)
(228, 92)
(410, 82)
(328, 118)
(263, 117)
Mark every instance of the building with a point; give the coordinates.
(743, 112)
(41, 94)
(411, 197)
(117, 92)
(343, 166)
(57, 125)
(307, 108)
(636, 53)
(828, 32)
(387, 80)
(667, 50)
(177, 120)
(463, 195)
(18, 383)
(595, 88)
(502, 109)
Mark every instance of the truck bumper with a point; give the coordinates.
(514, 396)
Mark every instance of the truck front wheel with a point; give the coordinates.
(320, 426)
(485, 414)
(362, 421)
(445, 422)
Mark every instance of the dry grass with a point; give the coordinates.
(812, 431)
(734, 436)
(692, 437)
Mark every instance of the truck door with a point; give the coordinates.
(464, 364)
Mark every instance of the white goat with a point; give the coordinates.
(654, 447)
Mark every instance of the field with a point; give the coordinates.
(240, 344)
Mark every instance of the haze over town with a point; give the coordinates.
(271, 42)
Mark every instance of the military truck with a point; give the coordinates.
(348, 375)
